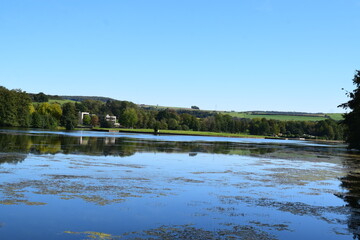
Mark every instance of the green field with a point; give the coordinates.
(181, 132)
(335, 116)
(275, 117)
(61, 102)
(166, 107)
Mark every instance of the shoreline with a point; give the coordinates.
(168, 132)
(190, 133)
(204, 134)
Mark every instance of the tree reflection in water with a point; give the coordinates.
(120, 146)
(351, 183)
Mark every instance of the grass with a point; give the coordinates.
(275, 117)
(167, 107)
(182, 132)
(336, 116)
(61, 102)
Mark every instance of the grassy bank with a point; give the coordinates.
(180, 132)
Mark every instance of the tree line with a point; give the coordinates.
(352, 118)
(17, 109)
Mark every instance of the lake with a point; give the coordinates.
(96, 185)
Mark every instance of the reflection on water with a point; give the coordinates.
(351, 184)
(125, 146)
(16, 142)
(59, 185)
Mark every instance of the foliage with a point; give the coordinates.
(352, 118)
(53, 109)
(106, 124)
(60, 101)
(94, 121)
(43, 121)
(84, 98)
(40, 97)
(14, 108)
(87, 120)
(69, 117)
(129, 117)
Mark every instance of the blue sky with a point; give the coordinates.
(225, 55)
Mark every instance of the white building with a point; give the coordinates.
(81, 116)
(112, 119)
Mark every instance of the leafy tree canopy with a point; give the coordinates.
(352, 119)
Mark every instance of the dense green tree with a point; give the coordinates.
(69, 117)
(14, 108)
(156, 127)
(352, 118)
(46, 115)
(190, 121)
(94, 120)
(129, 117)
(93, 106)
(40, 97)
(37, 120)
(173, 124)
(80, 107)
(56, 111)
(23, 103)
(106, 124)
(43, 121)
(87, 120)
(167, 114)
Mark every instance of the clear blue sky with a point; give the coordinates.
(226, 55)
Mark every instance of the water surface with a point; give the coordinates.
(90, 185)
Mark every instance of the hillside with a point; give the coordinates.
(275, 115)
(82, 98)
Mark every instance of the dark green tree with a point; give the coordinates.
(14, 108)
(352, 118)
(87, 120)
(172, 124)
(40, 97)
(69, 117)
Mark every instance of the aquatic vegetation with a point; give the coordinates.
(184, 232)
(94, 235)
(18, 201)
(296, 208)
(295, 176)
(186, 180)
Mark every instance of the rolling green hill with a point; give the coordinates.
(276, 115)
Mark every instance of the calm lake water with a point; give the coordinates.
(93, 185)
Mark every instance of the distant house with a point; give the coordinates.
(112, 119)
(81, 116)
